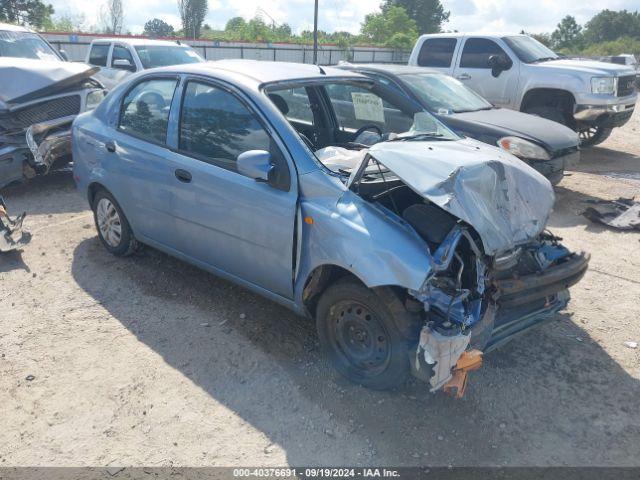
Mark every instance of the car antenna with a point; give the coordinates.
(321, 70)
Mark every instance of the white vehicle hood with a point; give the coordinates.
(592, 67)
(506, 201)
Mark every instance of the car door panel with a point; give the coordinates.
(472, 69)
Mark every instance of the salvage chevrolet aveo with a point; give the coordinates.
(415, 250)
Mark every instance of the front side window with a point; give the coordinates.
(444, 94)
(145, 109)
(476, 53)
(216, 127)
(121, 53)
(98, 55)
(152, 56)
(25, 45)
(437, 52)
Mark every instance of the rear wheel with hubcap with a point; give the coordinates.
(113, 228)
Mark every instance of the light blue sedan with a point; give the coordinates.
(414, 249)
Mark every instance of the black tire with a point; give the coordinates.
(592, 136)
(119, 245)
(359, 332)
(554, 114)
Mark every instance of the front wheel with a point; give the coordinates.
(591, 136)
(358, 332)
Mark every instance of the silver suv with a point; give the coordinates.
(518, 72)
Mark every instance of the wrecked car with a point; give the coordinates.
(414, 250)
(39, 98)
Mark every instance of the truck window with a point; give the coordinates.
(437, 52)
(476, 53)
(121, 53)
(98, 54)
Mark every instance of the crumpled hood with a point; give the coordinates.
(506, 201)
(551, 134)
(588, 66)
(22, 80)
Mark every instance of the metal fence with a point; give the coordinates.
(77, 47)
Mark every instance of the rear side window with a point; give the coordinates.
(98, 55)
(216, 127)
(437, 52)
(476, 53)
(145, 109)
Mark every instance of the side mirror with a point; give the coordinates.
(255, 164)
(498, 64)
(123, 64)
(64, 55)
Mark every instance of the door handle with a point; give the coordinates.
(463, 76)
(110, 146)
(183, 175)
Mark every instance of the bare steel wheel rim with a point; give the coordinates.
(588, 133)
(360, 338)
(109, 223)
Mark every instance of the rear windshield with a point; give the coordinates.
(25, 45)
(153, 56)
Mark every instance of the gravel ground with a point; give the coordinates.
(149, 361)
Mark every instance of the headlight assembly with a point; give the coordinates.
(93, 99)
(603, 85)
(522, 148)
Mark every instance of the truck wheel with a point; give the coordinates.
(113, 228)
(554, 114)
(358, 332)
(592, 136)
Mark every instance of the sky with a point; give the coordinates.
(466, 15)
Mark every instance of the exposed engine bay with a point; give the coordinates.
(471, 300)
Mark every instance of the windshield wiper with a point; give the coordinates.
(420, 136)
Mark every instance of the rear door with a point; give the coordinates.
(473, 69)
(438, 53)
(231, 222)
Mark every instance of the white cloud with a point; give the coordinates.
(466, 15)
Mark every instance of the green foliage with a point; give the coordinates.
(614, 47)
(429, 15)
(158, 28)
(64, 23)
(192, 13)
(610, 25)
(567, 35)
(33, 13)
(391, 27)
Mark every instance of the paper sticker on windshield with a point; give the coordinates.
(368, 106)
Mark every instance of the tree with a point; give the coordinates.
(235, 24)
(158, 28)
(34, 13)
(391, 27)
(429, 15)
(609, 25)
(64, 23)
(192, 13)
(112, 17)
(567, 35)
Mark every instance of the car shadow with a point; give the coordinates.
(12, 260)
(546, 398)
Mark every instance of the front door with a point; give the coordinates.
(473, 69)
(222, 218)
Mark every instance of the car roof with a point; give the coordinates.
(139, 41)
(262, 71)
(394, 69)
(473, 34)
(7, 27)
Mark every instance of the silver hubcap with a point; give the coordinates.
(109, 223)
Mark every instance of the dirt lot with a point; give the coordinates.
(148, 361)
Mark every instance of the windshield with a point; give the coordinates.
(153, 56)
(25, 45)
(364, 113)
(529, 50)
(442, 94)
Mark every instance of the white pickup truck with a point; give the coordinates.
(518, 72)
(120, 57)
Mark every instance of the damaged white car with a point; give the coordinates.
(416, 251)
(40, 95)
